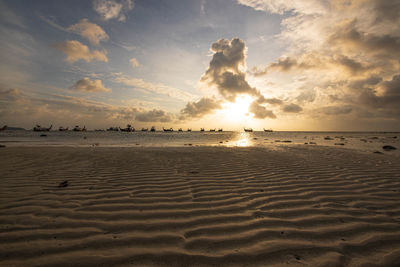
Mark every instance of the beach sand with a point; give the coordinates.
(198, 206)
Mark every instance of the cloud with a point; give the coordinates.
(335, 110)
(134, 62)
(112, 9)
(260, 112)
(224, 71)
(282, 6)
(75, 51)
(18, 106)
(200, 108)
(93, 32)
(292, 108)
(157, 88)
(341, 51)
(155, 115)
(87, 85)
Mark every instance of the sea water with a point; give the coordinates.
(365, 141)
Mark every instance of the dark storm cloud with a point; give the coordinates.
(292, 108)
(260, 112)
(152, 116)
(335, 110)
(200, 108)
(348, 36)
(226, 73)
(224, 70)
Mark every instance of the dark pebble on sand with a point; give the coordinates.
(388, 148)
(339, 144)
(286, 141)
(377, 152)
(64, 184)
(328, 138)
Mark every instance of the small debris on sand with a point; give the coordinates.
(286, 141)
(388, 148)
(339, 144)
(328, 138)
(313, 143)
(377, 152)
(64, 184)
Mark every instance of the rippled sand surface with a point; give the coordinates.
(198, 206)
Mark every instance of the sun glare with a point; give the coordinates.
(238, 110)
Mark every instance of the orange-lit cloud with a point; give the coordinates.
(87, 85)
(134, 62)
(93, 32)
(75, 51)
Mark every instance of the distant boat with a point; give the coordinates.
(212, 130)
(189, 130)
(62, 129)
(79, 129)
(268, 130)
(3, 128)
(153, 129)
(180, 130)
(145, 129)
(113, 129)
(168, 130)
(220, 130)
(39, 128)
(128, 128)
(249, 130)
(201, 129)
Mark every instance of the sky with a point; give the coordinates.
(328, 65)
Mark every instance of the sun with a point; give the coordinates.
(238, 110)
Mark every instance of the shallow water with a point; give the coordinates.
(365, 141)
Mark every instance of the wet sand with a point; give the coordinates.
(198, 206)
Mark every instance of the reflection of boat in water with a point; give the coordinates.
(212, 130)
(180, 130)
(248, 130)
(168, 130)
(153, 129)
(220, 130)
(62, 129)
(145, 129)
(268, 130)
(201, 129)
(189, 130)
(3, 128)
(79, 129)
(128, 128)
(113, 129)
(39, 128)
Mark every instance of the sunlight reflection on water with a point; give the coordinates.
(243, 140)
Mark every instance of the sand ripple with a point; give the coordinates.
(199, 206)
